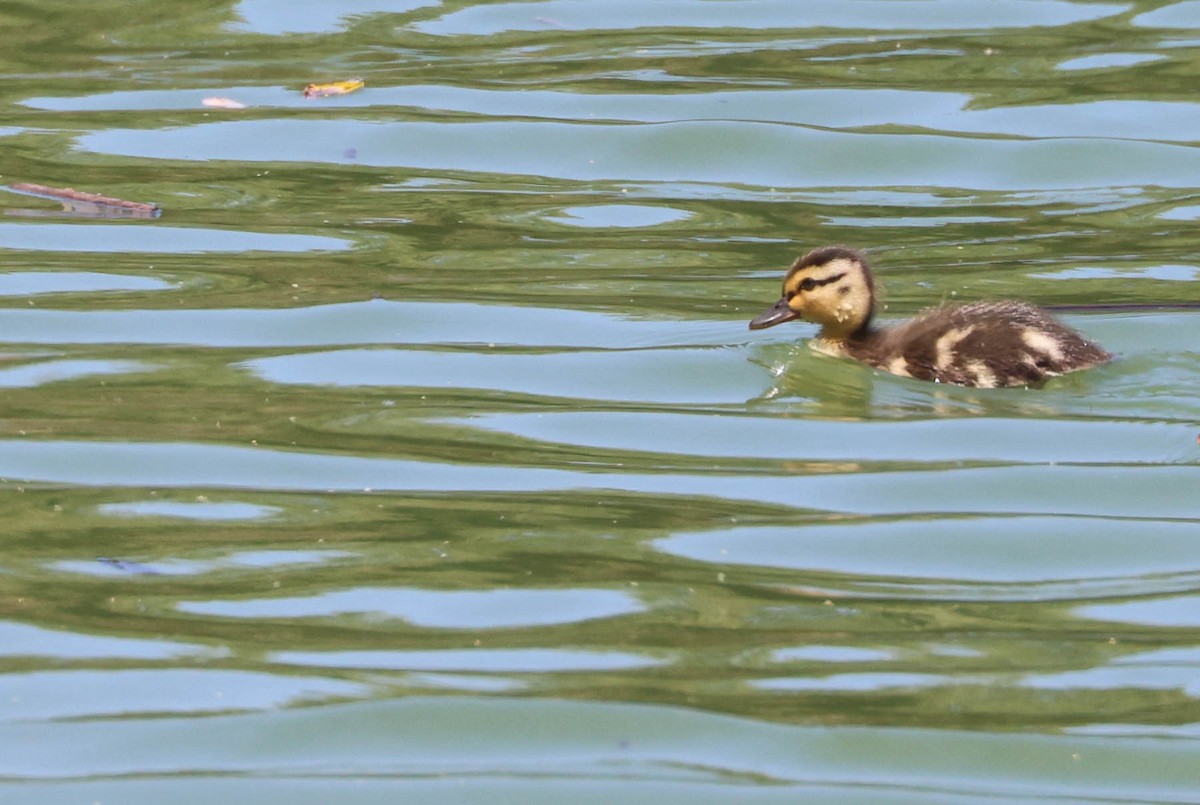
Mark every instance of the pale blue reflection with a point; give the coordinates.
(112, 692)
(22, 640)
(268, 559)
(1189, 212)
(912, 222)
(467, 683)
(151, 237)
(1185, 14)
(374, 322)
(1165, 492)
(763, 15)
(1165, 656)
(1190, 732)
(163, 99)
(108, 566)
(437, 609)
(1113, 147)
(189, 510)
(529, 660)
(593, 116)
(850, 683)
(23, 283)
(832, 654)
(1170, 273)
(1175, 611)
(278, 17)
(994, 439)
(1101, 61)
(1143, 677)
(676, 375)
(978, 549)
(38, 374)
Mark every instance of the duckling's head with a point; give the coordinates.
(830, 286)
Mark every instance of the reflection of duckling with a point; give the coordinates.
(984, 344)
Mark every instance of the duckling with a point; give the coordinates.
(982, 344)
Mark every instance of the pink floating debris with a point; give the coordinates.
(223, 103)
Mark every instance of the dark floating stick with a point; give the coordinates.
(91, 203)
(127, 566)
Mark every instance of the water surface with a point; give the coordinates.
(420, 449)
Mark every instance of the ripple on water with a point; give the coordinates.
(832, 654)
(1154, 492)
(749, 152)
(190, 510)
(961, 549)
(1108, 61)
(1185, 14)
(374, 322)
(240, 561)
(275, 18)
(436, 609)
(523, 660)
(29, 283)
(914, 441)
(617, 215)
(762, 15)
(1180, 611)
(856, 683)
(847, 109)
(22, 640)
(598, 485)
(40, 373)
(676, 375)
(1151, 670)
(151, 237)
(48, 695)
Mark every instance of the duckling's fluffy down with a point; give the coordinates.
(984, 344)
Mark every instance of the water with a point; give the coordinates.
(420, 448)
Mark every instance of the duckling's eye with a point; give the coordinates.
(808, 284)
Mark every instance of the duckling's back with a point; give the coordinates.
(984, 344)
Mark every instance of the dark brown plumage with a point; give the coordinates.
(983, 344)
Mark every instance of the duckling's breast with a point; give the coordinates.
(986, 345)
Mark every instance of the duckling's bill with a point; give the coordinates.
(776, 314)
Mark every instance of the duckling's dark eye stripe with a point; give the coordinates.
(810, 283)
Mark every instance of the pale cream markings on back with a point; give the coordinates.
(984, 378)
(1041, 342)
(944, 348)
(898, 366)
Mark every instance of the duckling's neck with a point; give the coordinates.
(834, 339)
(846, 326)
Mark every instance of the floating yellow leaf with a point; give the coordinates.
(333, 88)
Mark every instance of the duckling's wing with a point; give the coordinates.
(986, 344)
